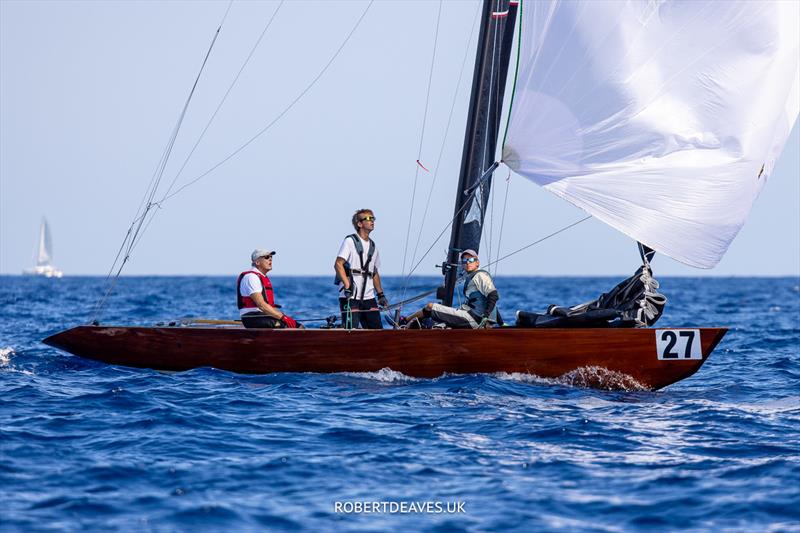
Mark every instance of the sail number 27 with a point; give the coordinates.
(678, 344)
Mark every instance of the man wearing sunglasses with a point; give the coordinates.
(255, 298)
(480, 299)
(356, 268)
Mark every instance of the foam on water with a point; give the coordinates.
(385, 375)
(6, 364)
(589, 376)
(5, 355)
(89, 446)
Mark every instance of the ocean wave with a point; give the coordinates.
(385, 375)
(5, 355)
(92, 446)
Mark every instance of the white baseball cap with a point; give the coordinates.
(261, 252)
(469, 251)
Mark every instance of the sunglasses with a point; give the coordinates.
(470, 260)
(367, 218)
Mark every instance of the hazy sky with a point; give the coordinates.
(90, 92)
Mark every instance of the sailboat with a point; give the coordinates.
(44, 255)
(662, 120)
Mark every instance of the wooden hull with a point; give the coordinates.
(593, 357)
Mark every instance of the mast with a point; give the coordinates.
(480, 141)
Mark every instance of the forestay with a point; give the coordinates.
(661, 119)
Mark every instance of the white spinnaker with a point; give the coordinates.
(657, 117)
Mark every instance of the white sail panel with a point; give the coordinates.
(44, 256)
(662, 119)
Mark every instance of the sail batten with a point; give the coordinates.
(662, 120)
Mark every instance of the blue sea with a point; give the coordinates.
(89, 447)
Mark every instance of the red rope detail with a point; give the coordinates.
(423, 166)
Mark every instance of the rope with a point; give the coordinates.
(470, 192)
(476, 18)
(477, 185)
(350, 311)
(502, 219)
(132, 236)
(540, 240)
(494, 94)
(225, 97)
(421, 140)
(147, 201)
(349, 316)
(281, 114)
(516, 74)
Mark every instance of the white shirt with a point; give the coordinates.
(250, 283)
(347, 251)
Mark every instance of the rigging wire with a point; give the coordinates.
(541, 240)
(441, 233)
(516, 74)
(502, 219)
(455, 217)
(132, 236)
(494, 88)
(505, 132)
(165, 153)
(498, 118)
(279, 115)
(475, 20)
(421, 141)
(417, 297)
(491, 220)
(216, 111)
(135, 228)
(225, 96)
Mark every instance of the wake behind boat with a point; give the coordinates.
(630, 111)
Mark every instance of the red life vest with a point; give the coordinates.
(244, 300)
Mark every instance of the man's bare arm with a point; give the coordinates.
(264, 307)
(338, 266)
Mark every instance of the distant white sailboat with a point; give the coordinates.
(44, 256)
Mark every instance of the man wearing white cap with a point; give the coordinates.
(255, 298)
(480, 299)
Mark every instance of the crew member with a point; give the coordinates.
(356, 269)
(480, 299)
(255, 298)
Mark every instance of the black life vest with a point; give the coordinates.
(243, 300)
(364, 270)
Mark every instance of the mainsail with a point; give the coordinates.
(661, 119)
(44, 255)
